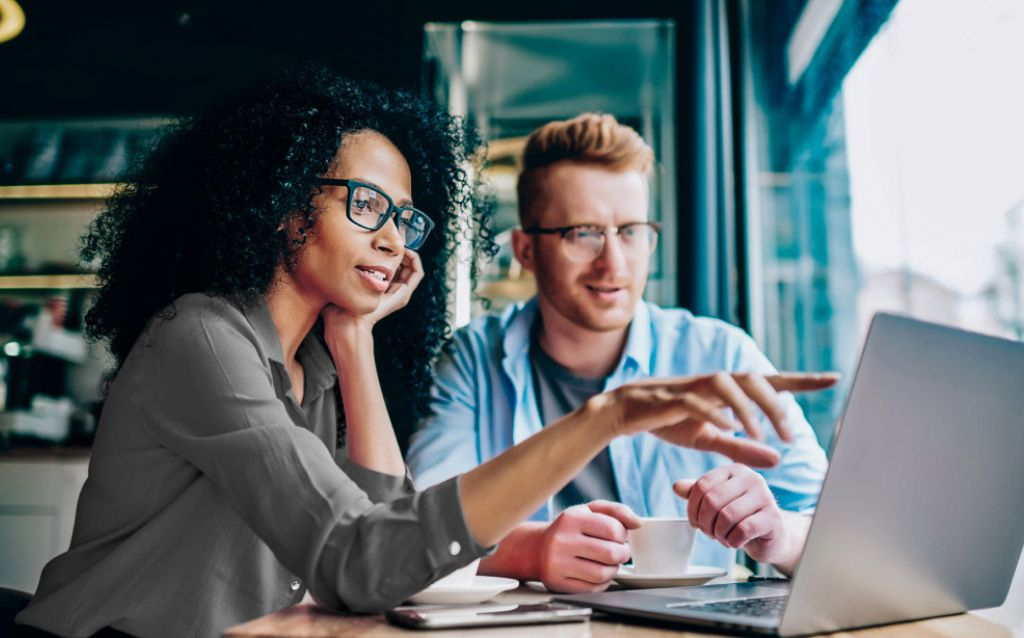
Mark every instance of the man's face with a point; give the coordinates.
(599, 294)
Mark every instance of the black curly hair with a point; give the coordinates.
(203, 212)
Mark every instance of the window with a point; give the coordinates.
(888, 174)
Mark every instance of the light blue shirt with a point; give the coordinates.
(483, 403)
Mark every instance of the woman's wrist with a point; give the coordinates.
(352, 337)
(602, 409)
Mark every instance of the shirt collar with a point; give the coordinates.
(316, 363)
(639, 341)
(517, 321)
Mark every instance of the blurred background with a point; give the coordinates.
(817, 161)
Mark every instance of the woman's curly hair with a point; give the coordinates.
(204, 212)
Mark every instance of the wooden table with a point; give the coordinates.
(309, 621)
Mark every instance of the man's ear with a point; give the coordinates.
(522, 247)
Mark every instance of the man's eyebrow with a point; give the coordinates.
(401, 203)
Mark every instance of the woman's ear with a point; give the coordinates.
(294, 227)
(523, 248)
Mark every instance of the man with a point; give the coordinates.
(583, 205)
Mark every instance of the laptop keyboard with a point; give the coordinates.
(753, 607)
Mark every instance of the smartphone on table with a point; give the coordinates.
(437, 617)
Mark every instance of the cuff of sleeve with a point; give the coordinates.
(449, 543)
(379, 487)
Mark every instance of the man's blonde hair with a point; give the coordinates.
(589, 138)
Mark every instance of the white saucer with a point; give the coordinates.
(483, 588)
(536, 585)
(695, 575)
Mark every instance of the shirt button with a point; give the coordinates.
(454, 548)
(295, 585)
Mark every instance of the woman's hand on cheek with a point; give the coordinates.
(409, 275)
(344, 325)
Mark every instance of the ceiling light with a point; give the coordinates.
(12, 20)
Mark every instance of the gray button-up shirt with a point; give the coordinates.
(214, 497)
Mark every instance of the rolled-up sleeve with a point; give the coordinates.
(379, 487)
(399, 542)
(209, 397)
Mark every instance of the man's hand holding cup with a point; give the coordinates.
(585, 545)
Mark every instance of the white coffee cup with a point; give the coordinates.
(461, 577)
(662, 545)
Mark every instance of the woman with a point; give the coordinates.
(217, 491)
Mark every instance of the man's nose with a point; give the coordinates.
(611, 258)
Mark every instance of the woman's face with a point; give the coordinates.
(341, 263)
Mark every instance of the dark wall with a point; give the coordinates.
(138, 58)
(85, 59)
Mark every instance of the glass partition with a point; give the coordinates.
(510, 78)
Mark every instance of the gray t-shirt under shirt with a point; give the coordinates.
(560, 392)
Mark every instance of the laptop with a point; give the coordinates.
(922, 510)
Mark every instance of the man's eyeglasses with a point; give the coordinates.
(585, 242)
(370, 208)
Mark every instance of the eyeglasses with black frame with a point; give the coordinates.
(369, 207)
(584, 242)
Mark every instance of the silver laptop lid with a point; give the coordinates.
(922, 511)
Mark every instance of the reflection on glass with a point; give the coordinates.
(903, 193)
(510, 78)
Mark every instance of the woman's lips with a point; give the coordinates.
(378, 278)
